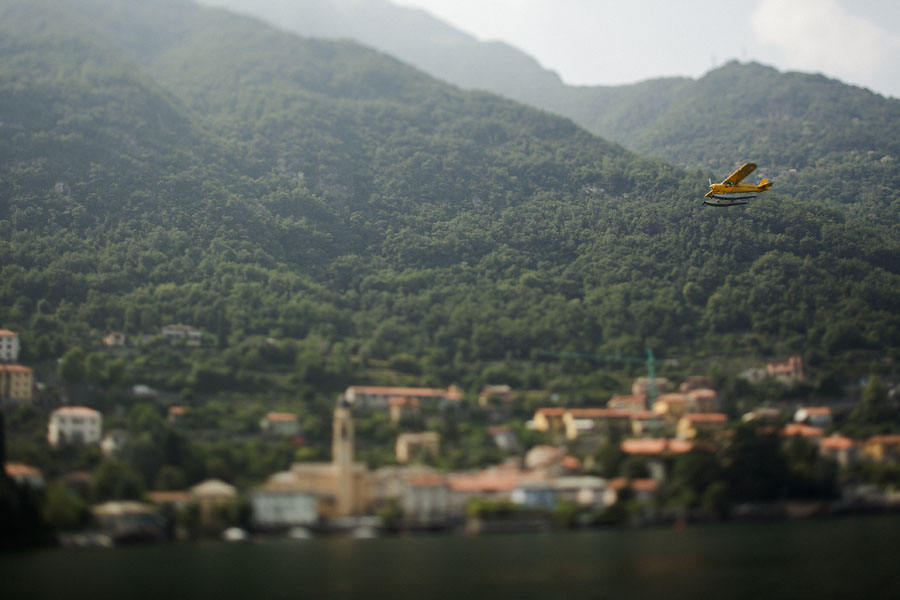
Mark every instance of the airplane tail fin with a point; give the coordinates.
(765, 184)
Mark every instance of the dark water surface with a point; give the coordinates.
(842, 558)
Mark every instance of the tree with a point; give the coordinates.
(71, 367)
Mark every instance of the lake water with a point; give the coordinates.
(855, 557)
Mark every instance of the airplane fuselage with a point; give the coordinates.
(725, 189)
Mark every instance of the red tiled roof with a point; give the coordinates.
(15, 369)
(166, 497)
(884, 439)
(571, 463)
(76, 410)
(836, 442)
(802, 430)
(673, 397)
(644, 445)
(177, 410)
(652, 446)
(8, 333)
(281, 417)
(402, 401)
(642, 415)
(15, 469)
(600, 413)
(702, 393)
(644, 485)
(427, 480)
(706, 417)
(374, 390)
(485, 482)
(551, 412)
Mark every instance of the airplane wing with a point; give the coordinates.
(736, 177)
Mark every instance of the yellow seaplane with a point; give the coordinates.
(731, 192)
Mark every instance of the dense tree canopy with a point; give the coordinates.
(314, 205)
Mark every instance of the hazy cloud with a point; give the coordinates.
(822, 36)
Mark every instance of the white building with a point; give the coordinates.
(9, 346)
(281, 503)
(74, 425)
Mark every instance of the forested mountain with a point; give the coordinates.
(315, 205)
(821, 139)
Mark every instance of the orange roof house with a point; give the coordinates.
(802, 430)
(549, 420)
(882, 448)
(788, 371)
(671, 406)
(628, 402)
(24, 474)
(380, 396)
(818, 416)
(655, 446)
(692, 425)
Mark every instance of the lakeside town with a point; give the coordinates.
(665, 453)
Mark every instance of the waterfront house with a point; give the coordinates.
(585, 490)
(641, 490)
(74, 425)
(130, 521)
(209, 496)
(535, 492)
(491, 484)
(282, 502)
(425, 501)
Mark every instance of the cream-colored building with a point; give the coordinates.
(369, 396)
(16, 383)
(408, 443)
(694, 425)
(209, 496)
(342, 487)
(9, 346)
(74, 425)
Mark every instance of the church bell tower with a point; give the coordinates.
(342, 459)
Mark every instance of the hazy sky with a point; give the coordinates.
(624, 41)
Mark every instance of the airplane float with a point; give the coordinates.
(731, 192)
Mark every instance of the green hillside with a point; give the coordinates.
(316, 207)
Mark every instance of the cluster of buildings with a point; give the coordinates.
(656, 421)
(16, 381)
